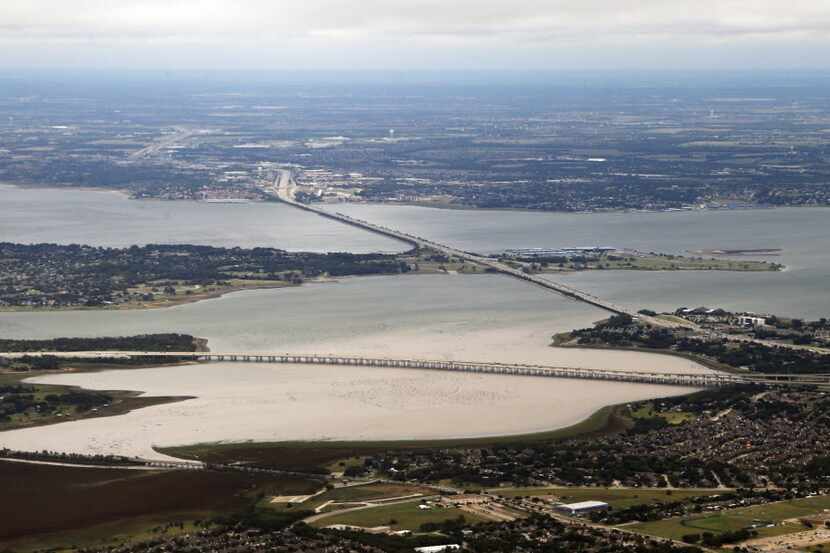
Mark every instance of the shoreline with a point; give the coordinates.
(707, 363)
(609, 418)
(605, 420)
(125, 193)
(124, 401)
(216, 294)
(451, 207)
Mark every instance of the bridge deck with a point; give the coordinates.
(696, 379)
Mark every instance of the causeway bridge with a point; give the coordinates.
(694, 379)
(284, 187)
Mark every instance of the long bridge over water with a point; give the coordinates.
(702, 379)
(284, 191)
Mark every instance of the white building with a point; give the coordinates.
(747, 320)
(581, 508)
(438, 548)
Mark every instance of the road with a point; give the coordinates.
(284, 189)
(693, 379)
(164, 142)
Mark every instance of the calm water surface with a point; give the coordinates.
(31, 215)
(285, 402)
(803, 235)
(483, 317)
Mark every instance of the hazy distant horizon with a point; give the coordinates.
(564, 79)
(416, 34)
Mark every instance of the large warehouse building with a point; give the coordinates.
(581, 508)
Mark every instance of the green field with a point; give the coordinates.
(374, 491)
(647, 411)
(406, 516)
(351, 494)
(617, 498)
(665, 262)
(736, 519)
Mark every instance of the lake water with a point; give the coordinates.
(285, 402)
(802, 234)
(110, 219)
(476, 317)
(100, 218)
(484, 317)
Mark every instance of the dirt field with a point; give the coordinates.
(798, 541)
(40, 501)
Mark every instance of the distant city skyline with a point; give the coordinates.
(416, 34)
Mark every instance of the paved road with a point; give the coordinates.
(692, 379)
(284, 188)
(162, 143)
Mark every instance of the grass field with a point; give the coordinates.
(406, 516)
(665, 262)
(47, 506)
(617, 498)
(369, 492)
(647, 411)
(374, 491)
(322, 456)
(736, 519)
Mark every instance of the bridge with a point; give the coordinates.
(284, 190)
(696, 379)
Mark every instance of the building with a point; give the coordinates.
(581, 508)
(438, 548)
(749, 321)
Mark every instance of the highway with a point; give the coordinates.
(694, 379)
(164, 142)
(284, 189)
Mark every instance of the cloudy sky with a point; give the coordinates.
(416, 34)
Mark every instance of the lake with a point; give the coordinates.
(472, 317)
(106, 218)
(476, 317)
(462, 317)
(289, 402)
(803, 235)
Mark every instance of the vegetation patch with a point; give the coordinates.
(770, 519)
(400, 516)
(616, 497)
(320, 457)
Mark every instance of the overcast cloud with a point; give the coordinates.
(417, 34)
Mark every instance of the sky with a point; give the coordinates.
(416, 34)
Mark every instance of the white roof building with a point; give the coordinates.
(582, 507)
(438, 548)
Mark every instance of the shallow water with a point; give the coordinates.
(484, 318)
(475, 317)
(300, 402)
